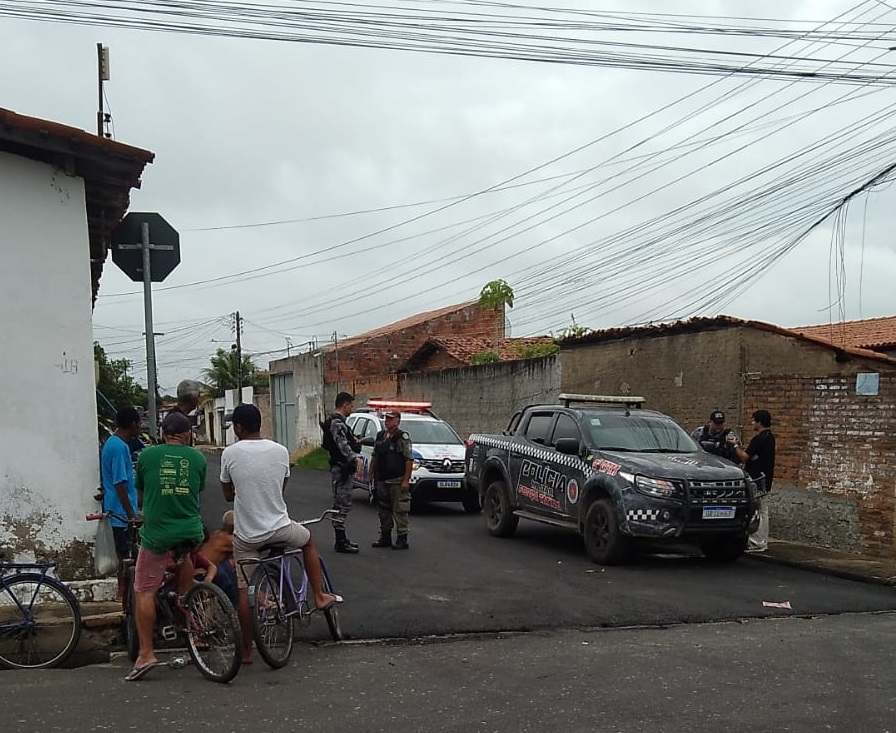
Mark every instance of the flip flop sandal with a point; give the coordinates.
(338, 599)
(139, 672)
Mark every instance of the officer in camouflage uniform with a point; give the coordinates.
(390, 469)
(344, 450)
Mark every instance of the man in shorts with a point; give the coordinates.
(254, 472)
(170, 478)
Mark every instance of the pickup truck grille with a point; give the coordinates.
(438, 465)
(715, 492)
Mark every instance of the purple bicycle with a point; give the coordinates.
(278, 601)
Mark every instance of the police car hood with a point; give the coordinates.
(696, 466)
(430, 451)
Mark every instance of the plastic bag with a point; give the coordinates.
(105, 559)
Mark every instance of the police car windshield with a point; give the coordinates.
(430, 431)
(639, 433)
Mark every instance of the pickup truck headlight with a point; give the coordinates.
(657, 487)
(417, 464)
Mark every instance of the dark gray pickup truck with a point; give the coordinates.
(616, 474)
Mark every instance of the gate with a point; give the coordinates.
(284, 410)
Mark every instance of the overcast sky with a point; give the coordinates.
(252, 132)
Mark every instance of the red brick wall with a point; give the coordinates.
(836, 442)
(383, 355)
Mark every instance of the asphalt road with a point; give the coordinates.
(798, 675)
(457, 579)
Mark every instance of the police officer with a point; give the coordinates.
(716, 438)
(390, 469)
(344, 450)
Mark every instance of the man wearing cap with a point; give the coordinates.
(390, 470)
(715, 438)
(170, 478)
(345, 457)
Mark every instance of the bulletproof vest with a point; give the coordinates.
(390, 462)
(721, 448)
(329, 444)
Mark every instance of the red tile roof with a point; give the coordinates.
(409, 322)
(871, 333)
(464, 348)
(109, 169)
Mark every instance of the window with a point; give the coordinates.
(537, 428)
(431, 432)
(636, 432)
(565, 428)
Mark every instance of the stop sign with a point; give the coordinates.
(164, 241)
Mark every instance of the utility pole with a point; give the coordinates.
(238, 347)
(336, 357)
(102, 74)
(150, 337)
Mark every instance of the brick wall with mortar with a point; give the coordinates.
(481, 399)
(843, 500)
(383, 355)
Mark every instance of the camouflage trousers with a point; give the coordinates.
(393, 506)
(342, 478)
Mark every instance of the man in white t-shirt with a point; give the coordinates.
(254, 472)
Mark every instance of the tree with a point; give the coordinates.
(116, 385)
(495, 295)
(574, 330)
(222, 374)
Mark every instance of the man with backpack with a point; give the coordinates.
(345, 457)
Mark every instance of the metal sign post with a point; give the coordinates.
(144, 261)
(150, 336)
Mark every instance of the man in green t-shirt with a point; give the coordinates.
(170, 478)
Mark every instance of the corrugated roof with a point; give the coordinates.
(870, 333)
(110, 170)
(695, 325)
(409, 322)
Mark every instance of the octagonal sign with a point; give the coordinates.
(164, 242)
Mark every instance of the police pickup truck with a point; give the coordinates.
(617, 474)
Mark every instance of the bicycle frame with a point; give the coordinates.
(298, 596)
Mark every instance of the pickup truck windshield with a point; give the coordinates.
(425, 432)
(639, 433)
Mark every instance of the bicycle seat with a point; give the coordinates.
(273, 550)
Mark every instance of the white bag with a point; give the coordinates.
(105, 559)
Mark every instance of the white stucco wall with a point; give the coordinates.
(48, 437)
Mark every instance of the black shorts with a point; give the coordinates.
(122, 543)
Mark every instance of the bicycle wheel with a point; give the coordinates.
(213, 632)
(271, 629)
(40, 622)
(132, 641)
(332, 613)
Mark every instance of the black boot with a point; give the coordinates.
(385, 540)
(343, 544)
(401, 542)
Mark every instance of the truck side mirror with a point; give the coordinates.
(568, 446)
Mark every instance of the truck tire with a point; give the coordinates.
(499, 517)
(604, 542)
(724, 549)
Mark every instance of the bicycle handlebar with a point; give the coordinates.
(326, 513)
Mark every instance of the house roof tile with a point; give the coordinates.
(110, 170)
(870, 333)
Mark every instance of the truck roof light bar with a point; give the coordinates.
(627, 400)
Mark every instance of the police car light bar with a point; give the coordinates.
(398, 405)
(605, 399)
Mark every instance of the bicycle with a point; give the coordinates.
(205, 617)
(40, 618)
(276, 602)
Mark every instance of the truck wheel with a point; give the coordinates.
(604, 543)
(499, 517)
(470, 502)
(724, 549)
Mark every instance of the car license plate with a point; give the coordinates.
(448, 484)
(718, 512)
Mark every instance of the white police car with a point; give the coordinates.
(438, 451)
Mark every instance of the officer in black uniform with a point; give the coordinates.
(716, 438)
(390, 469)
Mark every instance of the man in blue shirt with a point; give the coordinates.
(119, 489)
